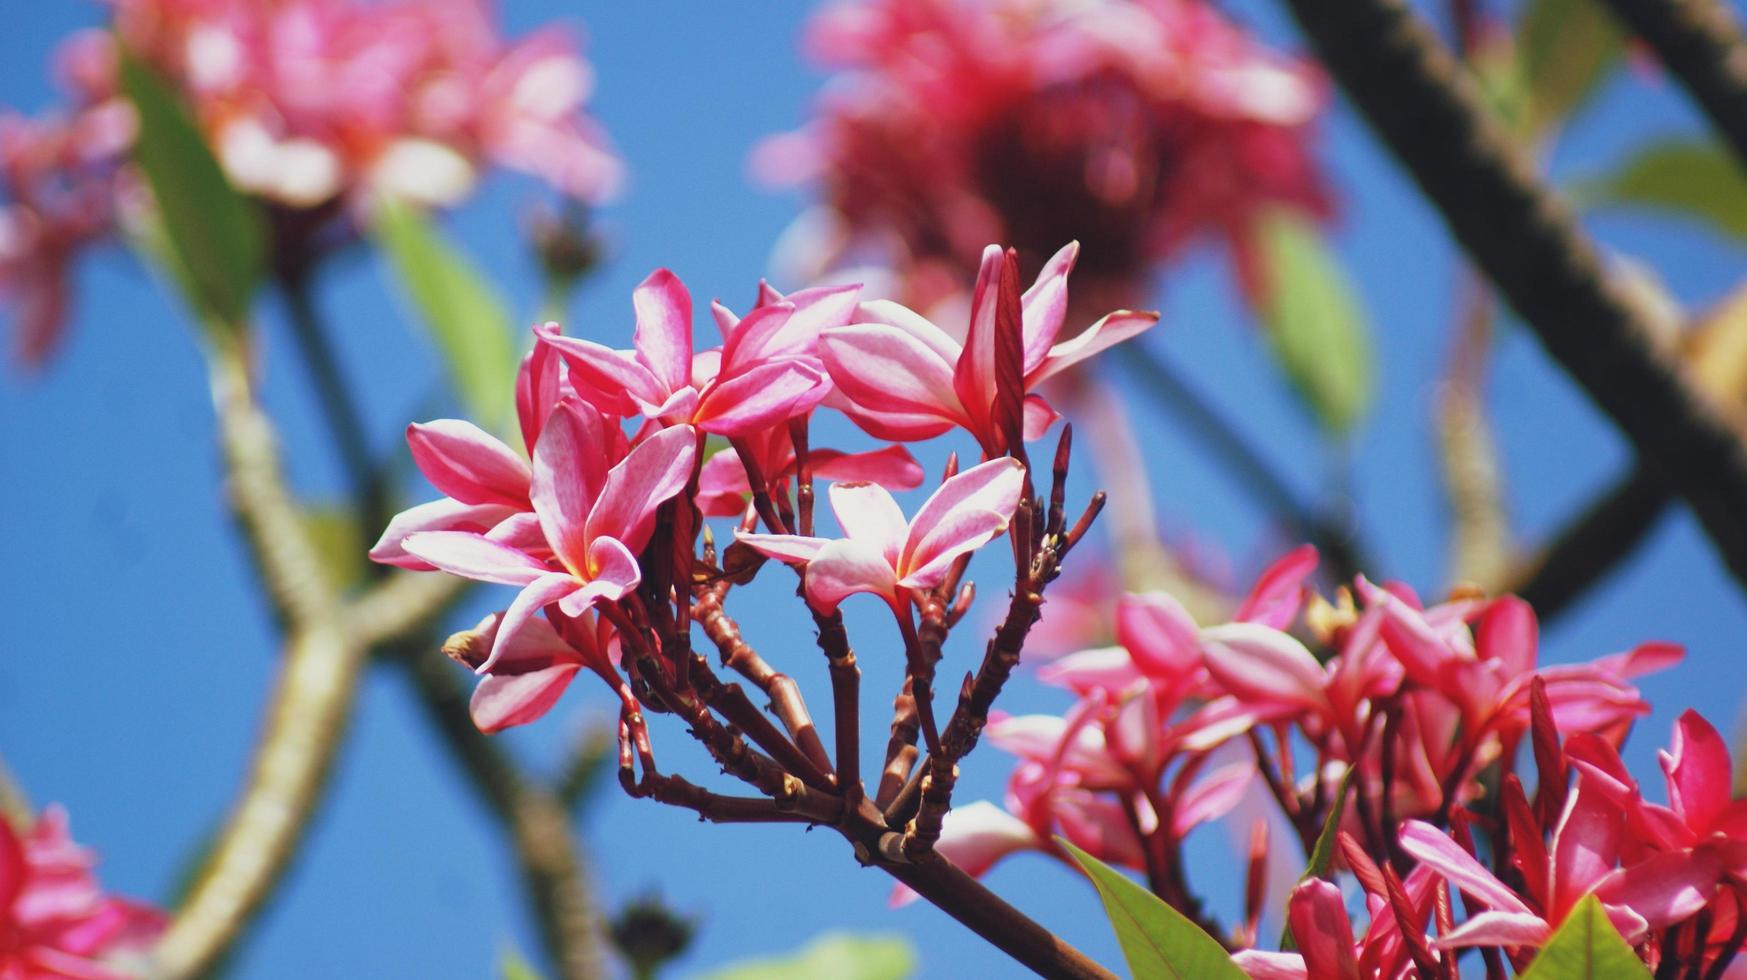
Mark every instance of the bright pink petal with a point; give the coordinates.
(1432, 847)
(1664, 889)
(474, 557)
(1586, 846)
(769, 394)
(613, 380)
(650, 475)
(528, 603)
(892, 467)
(844, 567)
(868, 514)
(1698, 772)
(1262, 666)
(438, 515)
(1322, 930)
(1277, 594)
(1036, 416)
(791, 548)
(1109, 669)
(467, 463)
(1113, 329)
(887, 370)
(504, 700)
(1159, 633)
(1508, 633)
(567, 480)
(1262, 965)
(664, 328)
(1492, 928)
(537, 388)
(973, 377)
(1045, 305)
(764, 334)
(963, 514)
(615, 575)
(914, 325)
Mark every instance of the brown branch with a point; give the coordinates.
(845, 702)
(311, 701)
(1700, 42)
(785, 695)
(401, 603)
(552, 869)
(988, 915)
(1432, 115)
(1592, 545)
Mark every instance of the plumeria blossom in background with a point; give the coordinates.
(1134, 127)
(312, 107)
(55, 921)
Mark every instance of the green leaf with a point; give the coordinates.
(1586, 947)
(1693, 178)
(464, 314)
(1565, 48)
(840, 956)
(212, 238)
(511, 966)
(1323, 851)
(1157, 940)
(1315, 323)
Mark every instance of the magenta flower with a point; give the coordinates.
(535, 667)
(54, 919)
(905, 378)
(1135, 127)
(882, 553)
(589, 521)
(764, 374)
(722, 484)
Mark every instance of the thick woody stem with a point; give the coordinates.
(311, 701)
(900, 747)
(1700, 42)
(1422, 103)
(733, 704)
(985, 913)
(716, 808)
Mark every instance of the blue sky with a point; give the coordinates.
(137, 650)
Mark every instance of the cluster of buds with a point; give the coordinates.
(54, 919)
(310, 106)
(1402, 725)
(1135, 127)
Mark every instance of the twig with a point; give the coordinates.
(1700, 42)
(1432, 115)
(552, 868)
(311, 701)
(403, 603)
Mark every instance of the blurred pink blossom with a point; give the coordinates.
(54, 919)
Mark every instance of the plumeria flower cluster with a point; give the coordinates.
(55, 921)
(1404, 725)
(616, 472)
(1136, 127)
(313, 107)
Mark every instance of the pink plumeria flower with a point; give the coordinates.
(882, 553)
(1324, 934)
(55, 921)
(906, 379)
(1580, 859)
(762, 376)
(591, 521)
(535, 667)
(723, 486)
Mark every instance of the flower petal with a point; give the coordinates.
(664, 328)
(1112, 329)
(1045, 305)
(1159, 633)
(843, 568)
(963, 514)
(467, 463)
(438, 515)
(613, 380)
(1262, 665)
(501, 701)
(528, 603)
(473, 556)
(1320, 925)
(791, 548)
(567, 479)
(765, 395)
(1277, 594)
(1436, 850)
(650, 475)
(885, 369)
(868, 514)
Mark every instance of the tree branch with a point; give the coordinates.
(1431, 114)
(1700, 42)
(311, 700)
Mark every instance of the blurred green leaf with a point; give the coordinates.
(1586, 947)
(1157, 940)
(839, 956)
(463, 313)
(1565, 48)
(339, 540)
(1323, 851)
(1693, 178)
(212, 238)
(511, 966)
(1315, 324)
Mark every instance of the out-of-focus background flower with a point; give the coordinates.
(137, 651)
